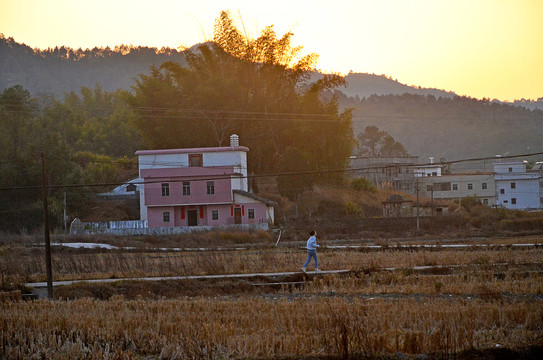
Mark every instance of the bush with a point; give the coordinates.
(352, 209)
(362, 184)
(470, 202)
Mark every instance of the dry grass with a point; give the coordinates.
(472, 299)
(253, 327)
(69, 265)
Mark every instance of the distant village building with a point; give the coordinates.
(394, 173)
(516, 187)
(396, 206)
(199, 187)
(511, 185)
(458, 186)
(427, 170)
(128, 190)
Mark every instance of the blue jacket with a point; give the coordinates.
(312, 243)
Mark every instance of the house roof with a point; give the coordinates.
(253, 196)
(192, 150)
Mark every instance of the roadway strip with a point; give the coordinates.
(189, 277)
(452, 246)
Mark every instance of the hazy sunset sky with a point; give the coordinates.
(479, 48)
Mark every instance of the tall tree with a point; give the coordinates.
(17, 110)
(376, 142)
(256, 88)
(369, 140)
(392, 148)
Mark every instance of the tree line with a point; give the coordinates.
(62, 69)
(453, 128)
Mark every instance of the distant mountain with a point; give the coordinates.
(440, 124)
(428, 122)
(365, 85)
(61, 70)
(452, 128)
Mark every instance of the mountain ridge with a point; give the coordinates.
(365, 85)
(428, 122)
(62, 69)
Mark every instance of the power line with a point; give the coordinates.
(235, 115)
(298, 173)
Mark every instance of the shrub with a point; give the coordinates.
(352, 209)
(362, 184)
(470, 202)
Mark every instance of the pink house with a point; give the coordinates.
(199, 187)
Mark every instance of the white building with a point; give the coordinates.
(459, 186)
(517, 188)
(427, 170)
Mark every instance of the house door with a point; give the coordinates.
(192, 217)
(237, 215)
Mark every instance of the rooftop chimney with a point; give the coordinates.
(234, 140)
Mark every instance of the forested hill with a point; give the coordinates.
(364, 85)
(61, 70)
(450, 128)
(428, 122)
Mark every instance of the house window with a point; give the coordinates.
(502, 191)
(166, 216)
(195, 160)
(513, 201)
(510, 169)
(513, 185)
(210, 187)
(485, 201)
(214, 214)
(483, 186)
(429, 187)
(186, 188)
(455, 186)
(470, 186)
(165, 189)
(251, 213)
(444, 186)
(434, 173)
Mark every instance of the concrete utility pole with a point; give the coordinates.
(418, 221)
(65, 217)
(46, 231)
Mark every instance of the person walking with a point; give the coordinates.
(312, 251)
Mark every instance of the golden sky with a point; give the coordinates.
(478, 48)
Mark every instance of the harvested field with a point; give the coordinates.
(478, 302)
(256, 327)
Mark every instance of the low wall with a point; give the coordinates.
(139, 227)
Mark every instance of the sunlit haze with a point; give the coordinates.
(482, 48)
